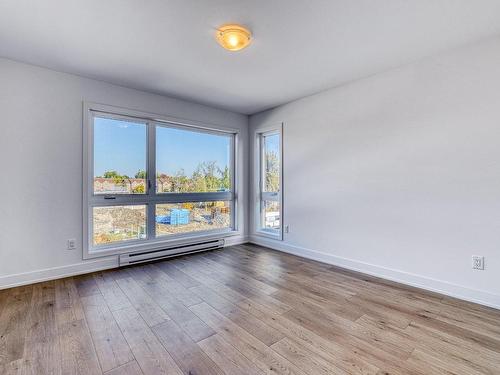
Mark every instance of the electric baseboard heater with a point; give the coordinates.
(148, 256)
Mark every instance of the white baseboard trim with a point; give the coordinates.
(236, 240)
(98, 264)
(430, 284)
(53, 273)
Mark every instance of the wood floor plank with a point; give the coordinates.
(177, 311)
(297, 297)
(142, 302)
(427, 362)
(233, 280)
(111, 347)
(42, 353)
(242, 277)
(345, 332)
(175, 288)
(331, 298)
(13, 324)
(131, 368)
(471, 307)
(86, 285)
(148, 351)
(188, 356)
(4, 293)
(78, 355)
(267, 360)
(227, 357)
(243, 309)
(228, 293)
(193, 271)
(114, 296)
(68, 304)
(245, 320)
(307, 360)
(345, 356)
(176, 274)
(459, 349)
(391, 340)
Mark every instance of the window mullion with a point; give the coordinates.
(117, 200)
(151, 181)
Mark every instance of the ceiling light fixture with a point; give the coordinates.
(233, 37)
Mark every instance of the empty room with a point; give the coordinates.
(285, 187)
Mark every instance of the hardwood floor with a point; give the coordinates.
(241, 310)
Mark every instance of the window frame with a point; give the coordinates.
(150, 198)
(261, 195)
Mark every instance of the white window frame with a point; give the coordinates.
(150, 198)
(261, 195)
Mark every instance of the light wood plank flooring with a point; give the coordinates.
(241, 310)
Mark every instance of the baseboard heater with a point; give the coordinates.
(147, 256)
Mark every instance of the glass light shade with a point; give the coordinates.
(233, 37)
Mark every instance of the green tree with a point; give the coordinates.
(110, 174)
(139, 189)
(198, 181)
(141, 174)
(225, 182)
(210, 173)
(272, 171)
(180, 182)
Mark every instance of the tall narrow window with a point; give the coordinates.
(270, 218)
(152, 181)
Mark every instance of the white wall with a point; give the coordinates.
(41, 141)
(398, 174)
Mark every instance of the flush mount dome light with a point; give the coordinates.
(233, 37)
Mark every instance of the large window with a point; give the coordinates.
(150, 181)
(270, 189)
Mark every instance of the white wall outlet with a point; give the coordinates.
(71, 245)
(287, 229)
(477, 262)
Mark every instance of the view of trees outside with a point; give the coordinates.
(272, 182)
(122, 223)
(271, 209)
(207, 177)
(187, 161)
(112, 182)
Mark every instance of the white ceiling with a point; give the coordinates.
(300, 46)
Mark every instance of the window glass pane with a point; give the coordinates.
(270, 215)
(189, 161)
(175, 218)
(118, 223)
(119, 157)
(271, 150)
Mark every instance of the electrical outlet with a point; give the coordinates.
(477, 262)
(71, 245)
